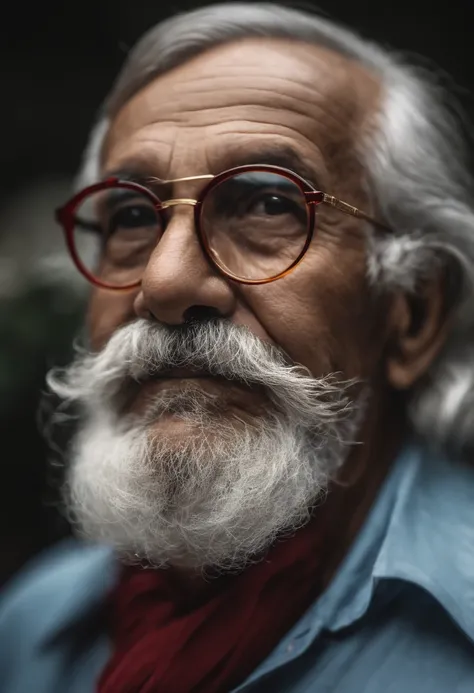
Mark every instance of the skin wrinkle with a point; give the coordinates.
(294, 136)
(219, 157)
(309, 64)
(197, 85)
(278, 100)
(292, 131)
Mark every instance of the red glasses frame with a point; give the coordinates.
(65, 216)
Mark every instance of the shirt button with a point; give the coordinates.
(290, 647)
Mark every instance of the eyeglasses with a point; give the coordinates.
(254, 224)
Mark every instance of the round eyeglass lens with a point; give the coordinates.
(255, 224)
(115, 231)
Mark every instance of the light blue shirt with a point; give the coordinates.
(397, 618)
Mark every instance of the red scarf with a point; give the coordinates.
(162, 645)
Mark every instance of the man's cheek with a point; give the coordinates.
(107, 312)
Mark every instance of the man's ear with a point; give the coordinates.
(418, 326)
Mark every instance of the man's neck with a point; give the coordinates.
(359, 482)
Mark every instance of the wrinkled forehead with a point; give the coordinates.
(235, 97)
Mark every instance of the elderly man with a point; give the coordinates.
(271, 465)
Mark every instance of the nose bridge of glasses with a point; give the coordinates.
(207, 176)
(175, 201)
(178, 201)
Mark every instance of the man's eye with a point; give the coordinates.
(132, 217)
(273, 205)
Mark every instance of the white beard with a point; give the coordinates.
(219, 496)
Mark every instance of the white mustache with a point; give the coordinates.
(141, 350)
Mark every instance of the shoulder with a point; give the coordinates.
(52, 591)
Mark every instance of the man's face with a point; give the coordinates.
(254, 101)
(246, 103)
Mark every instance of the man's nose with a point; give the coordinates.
(179, 284)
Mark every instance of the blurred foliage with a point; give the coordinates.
(36, 331)
(37, 328)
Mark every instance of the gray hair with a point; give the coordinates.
(417, 173)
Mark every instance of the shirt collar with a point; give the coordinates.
(430, 539)
(420, 530)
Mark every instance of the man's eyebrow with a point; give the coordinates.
(283, 156)
(130, 172)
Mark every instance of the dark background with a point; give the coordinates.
(57, 61)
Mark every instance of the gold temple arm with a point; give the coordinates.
(353, 211)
